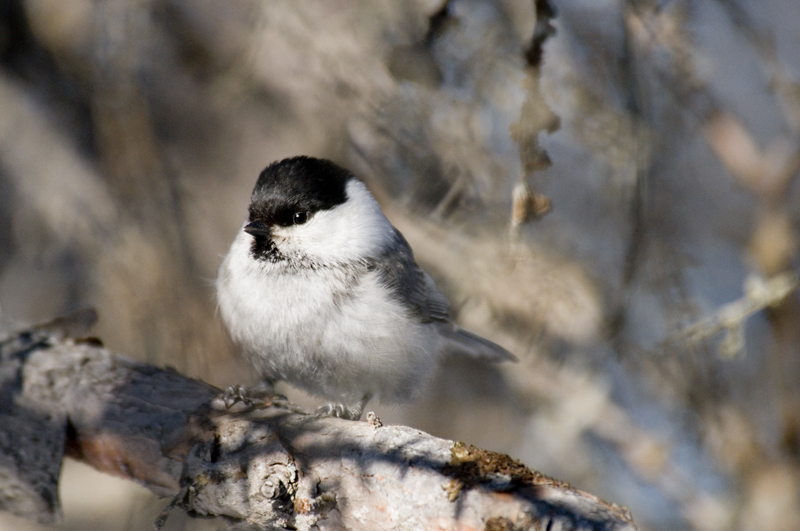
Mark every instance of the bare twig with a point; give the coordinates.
(730, 318)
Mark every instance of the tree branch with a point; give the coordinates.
(264, 468)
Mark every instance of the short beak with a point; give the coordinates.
(257, 228)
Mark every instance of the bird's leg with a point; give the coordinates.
(342, 411)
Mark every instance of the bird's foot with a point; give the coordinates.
(243, 398)
(342, 411)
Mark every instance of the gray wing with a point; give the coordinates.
(409, 284)
(416, 290)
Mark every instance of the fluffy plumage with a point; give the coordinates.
(321, 291)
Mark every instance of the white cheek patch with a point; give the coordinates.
(351, 231)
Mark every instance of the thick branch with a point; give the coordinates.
(271, 467)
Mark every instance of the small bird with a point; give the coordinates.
(321, 291)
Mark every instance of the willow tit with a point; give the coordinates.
(319, 290)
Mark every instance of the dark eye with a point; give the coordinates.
(300, 217)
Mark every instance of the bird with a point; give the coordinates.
(319, 290)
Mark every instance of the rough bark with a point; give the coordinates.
(264, 468)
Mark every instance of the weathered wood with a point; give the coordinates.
(265, 468)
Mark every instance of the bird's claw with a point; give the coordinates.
(236, 393)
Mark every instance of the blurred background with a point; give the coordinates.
(654, 309)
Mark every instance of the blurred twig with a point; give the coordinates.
(730, 318)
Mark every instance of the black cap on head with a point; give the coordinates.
(298, 184)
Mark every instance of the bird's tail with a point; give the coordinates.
(459, 342)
